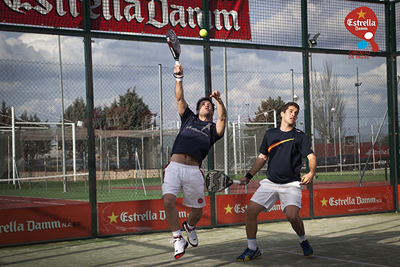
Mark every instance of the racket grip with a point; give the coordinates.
(176, 62)
(236, 181)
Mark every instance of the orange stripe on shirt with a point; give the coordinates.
(278, 143)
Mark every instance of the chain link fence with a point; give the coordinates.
(127, 122)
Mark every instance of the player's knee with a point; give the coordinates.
(169, 201)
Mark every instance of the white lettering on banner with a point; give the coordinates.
(357, 23)
(365, 200)
(132, 9)
(240, 209)
(12, 227)
(351, 201)
(44, 8)
(137, 15)
(125, 217)
(276, 207)
(32, 225)
(162, 215)
(225, 15)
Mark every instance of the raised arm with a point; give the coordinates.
(221, 123)
(180, 100)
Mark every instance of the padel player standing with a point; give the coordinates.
(284, 148)
(195, 138)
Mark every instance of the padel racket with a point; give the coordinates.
(217, 181)
(174, 45)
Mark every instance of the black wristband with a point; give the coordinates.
(248, 176)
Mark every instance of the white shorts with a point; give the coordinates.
(189, 178)
(269, 192)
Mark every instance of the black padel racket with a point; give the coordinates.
(174, 45)
(217, 181)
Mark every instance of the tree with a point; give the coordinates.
(134, 114)
(5, 120)
(5, 114)
(265, 112)
(76, 112)
(36, 144)
(327, 95)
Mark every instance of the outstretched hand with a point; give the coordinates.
(216, 95)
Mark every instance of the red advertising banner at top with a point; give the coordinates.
(228, 19)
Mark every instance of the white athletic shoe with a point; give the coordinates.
(191, 234)
(180, 245)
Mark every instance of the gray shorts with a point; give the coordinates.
(269, 192)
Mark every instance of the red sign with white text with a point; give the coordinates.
(142, 215)
(44, 223)
(363, 23)
(353, 200)
(228, 19)
(232, 208)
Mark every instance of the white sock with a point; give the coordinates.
(177, 233)
(302, 238)
(252, 243)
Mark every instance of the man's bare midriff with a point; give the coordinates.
(185, 159)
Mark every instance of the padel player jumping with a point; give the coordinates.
(284, 148)
(195, 138)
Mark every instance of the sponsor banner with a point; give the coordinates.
(228, 19)
(44, 223)
(142, 215)
(232, 208)
(352, 200)
(363, 23)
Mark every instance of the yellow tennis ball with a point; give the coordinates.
(203, 32)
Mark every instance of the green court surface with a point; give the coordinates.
(364, 240)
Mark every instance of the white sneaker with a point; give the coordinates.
(180, 245)
(191, 234)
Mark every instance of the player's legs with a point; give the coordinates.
(193, 197)
(290, 196)
(292, 215)
(253, 209)
(195, 215)
(171, 212)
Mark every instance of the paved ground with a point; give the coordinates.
(365, 240)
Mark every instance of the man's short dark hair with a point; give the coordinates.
(288, 104)
(202, 99)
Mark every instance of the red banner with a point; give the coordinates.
(353, 200)
(228, 19)
(232, 208)
(44, 223)
(142, 215)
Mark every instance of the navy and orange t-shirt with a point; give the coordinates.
(195, 136)
(285, 151)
